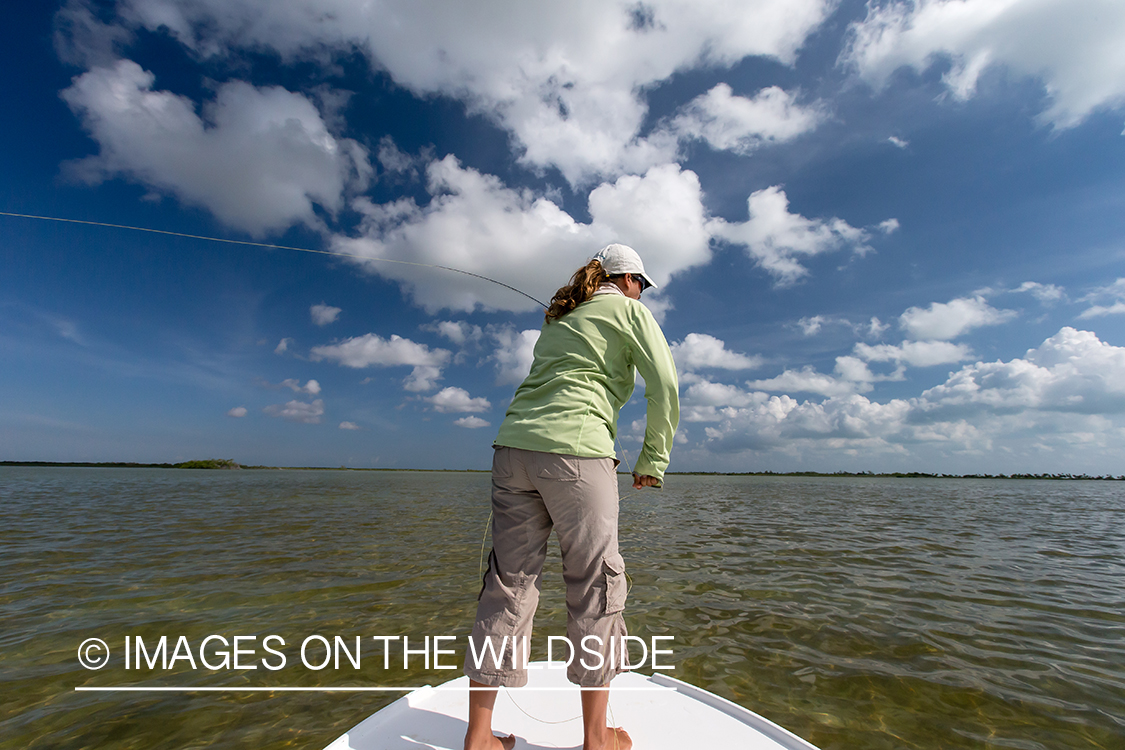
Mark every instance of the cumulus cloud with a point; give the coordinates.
(457, 331)
(513, 353)
(298, 411)
(475, 223)
(283, 346)
(452, 400)
(699, 351)
(372, 350)
(777, 239)
(1073, 371)
(875, 328)
(1114, 294)
(1069, 390)
(238, 412)
(838, 422)
(948, 320)
(1072, 46)
(422, 378)
(727, 122)
(706, 393)
(312, 387)
(566, 80)
(915, 353)
(898, 142)
(471, 422)
(259, 159)
(323, 314)
(1043, 292)
(811, 326)
(808, 380)
(82, 39)
(392, 159)
(349, 426)
(1097, 311)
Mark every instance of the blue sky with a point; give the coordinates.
(888, 236)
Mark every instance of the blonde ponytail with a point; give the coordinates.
(582, 286)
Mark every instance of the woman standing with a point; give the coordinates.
(554, 467)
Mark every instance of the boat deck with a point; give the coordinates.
(658, 712)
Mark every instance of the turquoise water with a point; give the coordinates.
(858, 613)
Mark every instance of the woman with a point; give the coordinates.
(554, 467)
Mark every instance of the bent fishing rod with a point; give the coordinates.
(272, 247)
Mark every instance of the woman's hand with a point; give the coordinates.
(644, 480)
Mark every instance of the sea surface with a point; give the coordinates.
(856, 612)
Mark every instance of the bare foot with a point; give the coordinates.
(492, 742)
(615, 738)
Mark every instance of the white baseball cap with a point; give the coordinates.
(618, 259)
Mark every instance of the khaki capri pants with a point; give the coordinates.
(533, 492)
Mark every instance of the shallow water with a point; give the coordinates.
(858, 613)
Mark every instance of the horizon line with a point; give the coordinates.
(799, 473)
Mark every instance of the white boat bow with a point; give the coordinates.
(659, 712)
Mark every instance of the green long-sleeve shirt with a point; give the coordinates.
(583, 373)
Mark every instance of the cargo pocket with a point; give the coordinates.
(616, 587)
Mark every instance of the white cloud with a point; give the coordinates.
(298, 411)
(81, 38)
(567, 80)
(736, 123)
(1072, 46)
(237, 412)
(474, 223)
(660, 214)
(372, 350)
(1114, 293)
(349, 426)
(1042, 292)
(452, 400)
(457, 331)
(1073, 371)
(422, 378)
(471, 422)
(783, 423)
(898, 142)
(705, 393)
(876, 328)
(915, 353)
(948, 320)
(699, 350)
(260, 159)
(1070, 390)
(283, 346)
(323, 314)
(811, 326)
(854, 370)
(513, 353)
(777, 239)
(808, 380)
(312, 387)
(889, 226)
(392, 159)
(1097, 311)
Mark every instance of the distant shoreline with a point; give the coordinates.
(844, 474)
